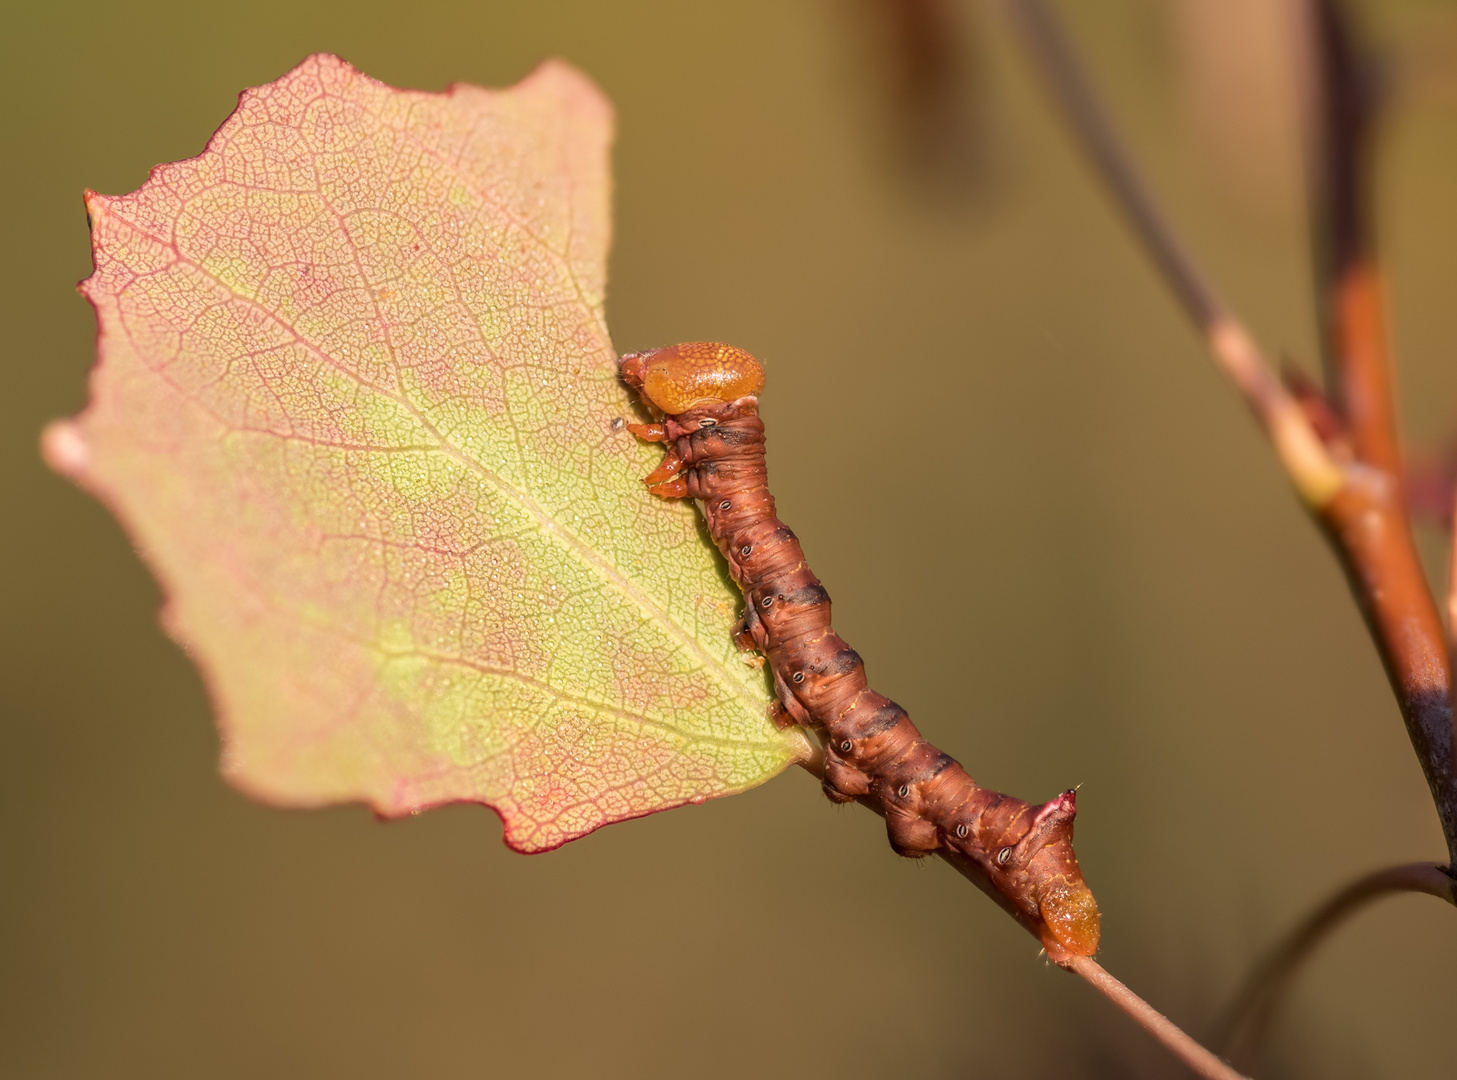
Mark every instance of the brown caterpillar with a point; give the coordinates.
(706, 394)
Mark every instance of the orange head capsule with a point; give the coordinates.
(676, 378)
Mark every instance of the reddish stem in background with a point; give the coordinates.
(1254, 1006)
(1369, 522)
(1338, 113)
(1358, 503)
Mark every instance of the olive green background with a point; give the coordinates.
(1047, 523)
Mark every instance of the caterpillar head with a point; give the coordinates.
(675, 378)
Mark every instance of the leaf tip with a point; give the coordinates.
(572, 85)
(65, 449)
(95, 204)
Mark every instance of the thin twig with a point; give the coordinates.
(1181, 1045)
(1316, 474)
(1059, 66)
(1357, 503)
(1197, 1057)
(1254, 1006)
(1202, 1061)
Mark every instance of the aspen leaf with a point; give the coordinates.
(356, 404)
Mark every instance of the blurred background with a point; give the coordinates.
(1047, 522)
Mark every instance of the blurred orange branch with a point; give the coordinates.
(1338, 112)
(1347, 481)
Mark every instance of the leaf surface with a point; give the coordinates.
(357, 406)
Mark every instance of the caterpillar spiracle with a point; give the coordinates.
(706, 394)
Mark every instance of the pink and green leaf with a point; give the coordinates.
(356, 404)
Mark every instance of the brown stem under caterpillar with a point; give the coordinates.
(707, 395)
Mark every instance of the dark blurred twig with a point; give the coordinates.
(1255, 1005)
(1053, 56)
(1306, 459)
(1357, 502)
(923, 49)
(928, 64)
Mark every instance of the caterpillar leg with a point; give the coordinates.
(649, 432)
(789, 702)
(676, 488)
(672, 465)
(742, 637)
(779, 715)
(663, 481)
(749, 633)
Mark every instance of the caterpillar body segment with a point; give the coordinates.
(707, 396)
